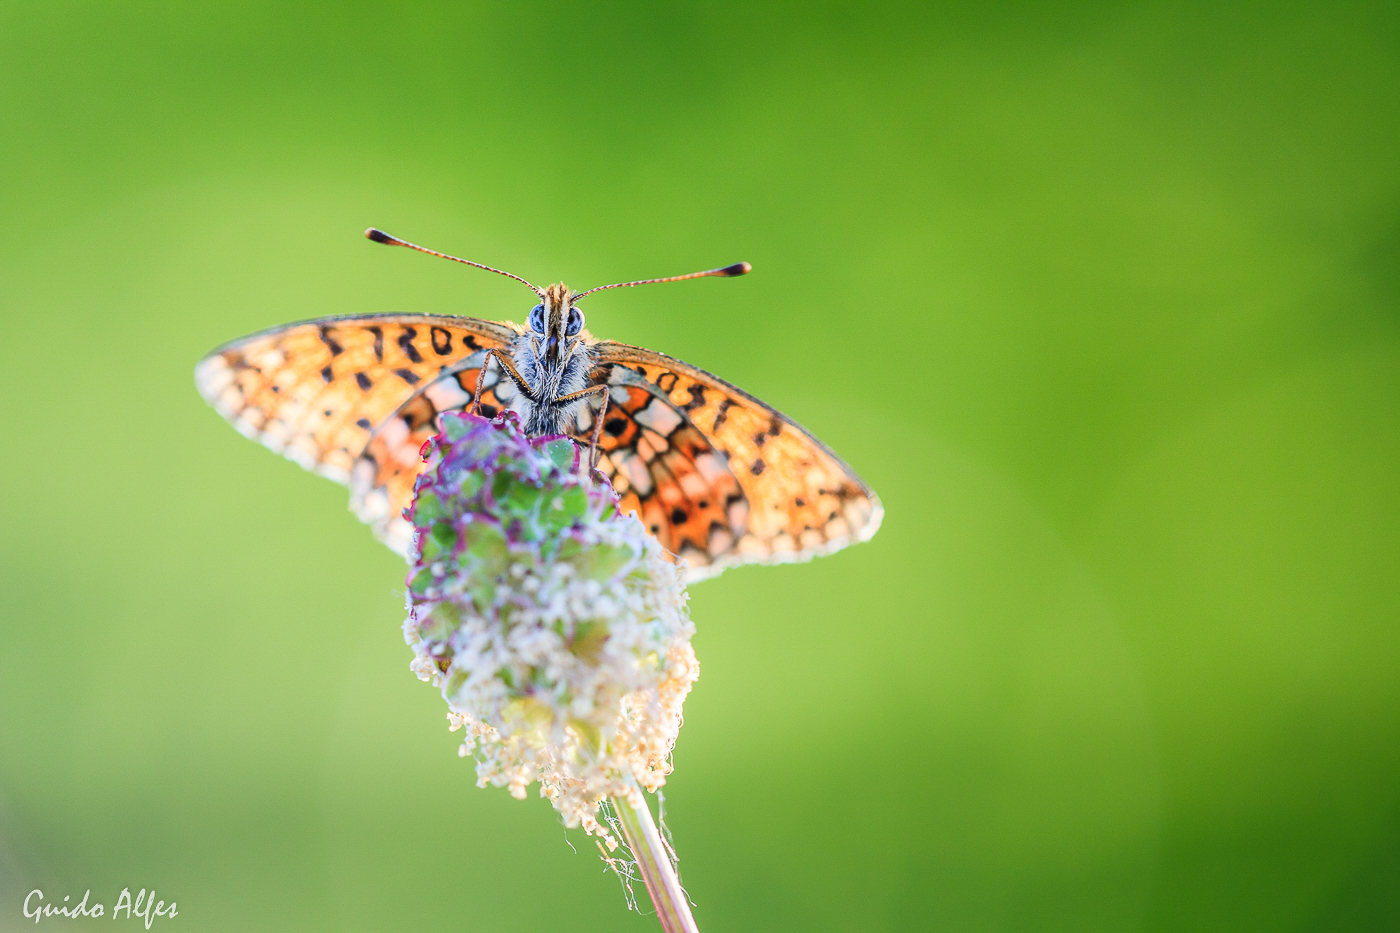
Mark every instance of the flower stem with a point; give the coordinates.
(663, 885)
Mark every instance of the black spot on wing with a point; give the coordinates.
(406, 344)
(722, 414)
(378, 333)
(407, 375)
(363, 380)
(442, 340)
(331, 343)
(758, 467)
(326, 373)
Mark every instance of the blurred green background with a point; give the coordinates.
(1101, 299)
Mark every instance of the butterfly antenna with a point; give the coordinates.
(379, 236)
(728, 272)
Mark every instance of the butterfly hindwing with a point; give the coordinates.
(661, 465)
(381, 482)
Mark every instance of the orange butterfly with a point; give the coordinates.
(719, 477)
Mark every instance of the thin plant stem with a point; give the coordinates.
(653, 862)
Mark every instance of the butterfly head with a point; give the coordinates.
(556, 325)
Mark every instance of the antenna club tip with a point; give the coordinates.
(379, 236)
(739, 268)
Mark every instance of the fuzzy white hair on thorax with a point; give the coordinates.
(547, 383)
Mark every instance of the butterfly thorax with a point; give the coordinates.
(553, 364)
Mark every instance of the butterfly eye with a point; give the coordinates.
(537, 319)
(575, 322)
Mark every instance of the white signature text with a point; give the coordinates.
(145, 907)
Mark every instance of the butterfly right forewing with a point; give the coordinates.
(665, 471)
(798, 498)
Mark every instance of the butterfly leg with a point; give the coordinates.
(597, 420)
(508, 368)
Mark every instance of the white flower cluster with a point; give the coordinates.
(569, 666)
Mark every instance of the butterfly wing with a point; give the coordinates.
(666, 471)
(720, 477)
(323, 392)
(382, 480)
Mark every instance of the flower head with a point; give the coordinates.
(555, 627)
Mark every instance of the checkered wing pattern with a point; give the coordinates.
(718, 476)
(332, 394)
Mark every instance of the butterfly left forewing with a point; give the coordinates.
(315, 391)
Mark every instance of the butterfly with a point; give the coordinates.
(719, 477)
